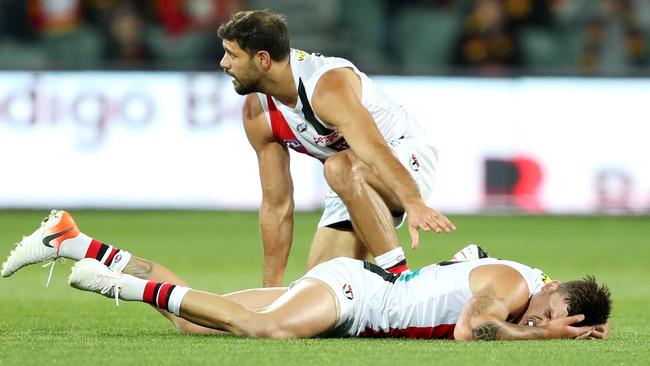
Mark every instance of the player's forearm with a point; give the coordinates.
(276, 229)
(395, 176)
(499, 330)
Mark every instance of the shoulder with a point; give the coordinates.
(336, 86)
(257, 128)
(502, 280)
(337, 78)
(252, 107)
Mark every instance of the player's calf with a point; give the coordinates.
(91, 275)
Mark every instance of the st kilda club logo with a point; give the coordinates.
(347, 291)
(415, 164)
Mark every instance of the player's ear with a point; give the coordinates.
(263, 59)
(551, 286)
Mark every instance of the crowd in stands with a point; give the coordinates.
(485, 37)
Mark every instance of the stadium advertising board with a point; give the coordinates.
(175, 140)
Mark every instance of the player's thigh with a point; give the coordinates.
(418, 158)
(257, 298)
(375, 181)
(329, 243)
(308, 309)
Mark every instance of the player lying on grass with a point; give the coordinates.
(482, 299)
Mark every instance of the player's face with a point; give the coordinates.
(543, 308)
(239, 65)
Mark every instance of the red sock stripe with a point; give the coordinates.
(93, 249)
(163, 296)
(398, 269)
(149, 292)
(108, 260)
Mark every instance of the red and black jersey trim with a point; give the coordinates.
(442, 331)
(281, 130)
(339, 144)
(385, 275)
(309, 113)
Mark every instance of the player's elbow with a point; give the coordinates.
(463, 333)
(475, 327)
(277, 207)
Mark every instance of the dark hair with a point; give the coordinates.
(258, 30)
(586, 297)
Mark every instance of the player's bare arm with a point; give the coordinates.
(337, 100)
(276, 212)
(500, 295)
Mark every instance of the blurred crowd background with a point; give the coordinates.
(433, 37)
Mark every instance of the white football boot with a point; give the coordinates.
(43, 244)
(91, 275)
(469, 253)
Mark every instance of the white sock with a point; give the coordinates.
(120, 261)
(132, 288)
(75, 248)
(177, 296)
(393, 261)
(83, 246)
(159, 294)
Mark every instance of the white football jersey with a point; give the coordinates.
(302, 130)
(428, 302)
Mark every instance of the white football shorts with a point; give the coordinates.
(355, 289)
(419, 158)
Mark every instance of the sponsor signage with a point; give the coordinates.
(175, 140)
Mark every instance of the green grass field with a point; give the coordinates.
(221, 252)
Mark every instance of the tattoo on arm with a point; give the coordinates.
(139, 268)
(490, 310)
(481, 305)
(486, 331)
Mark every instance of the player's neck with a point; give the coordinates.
(280, 84)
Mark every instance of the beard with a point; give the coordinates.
(244, 87)
(247, 81)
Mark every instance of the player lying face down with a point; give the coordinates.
(479, 299)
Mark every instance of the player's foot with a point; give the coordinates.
(43, 244)
(470, 252)
(91, 275)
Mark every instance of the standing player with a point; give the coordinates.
(463, 300)
(377, 162)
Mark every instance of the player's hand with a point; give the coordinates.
(425, 218)
(563, 328)
(601, 331)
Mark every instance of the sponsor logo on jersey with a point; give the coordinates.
(347, 291)
(117, 258)
(414, 163)
(293, 144)
(301, 55)
(340, 145)
(302, 127)
(324, 140)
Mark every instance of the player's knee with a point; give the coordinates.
(185, 327)
(272, 330)
(339, 171)
(279, 333)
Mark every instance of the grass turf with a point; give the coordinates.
(221, 252)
